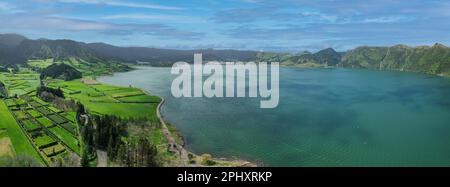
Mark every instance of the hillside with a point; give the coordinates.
(166, 56)
(16, 49)
(324, 57)
(424, 59)
(11, 40)
(8, 45)
(61, 71)
(56, 49)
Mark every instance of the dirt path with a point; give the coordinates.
(173, 146)
(102, 160)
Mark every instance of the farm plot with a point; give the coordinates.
(40, 64)
(68, 138)
(44, 141)
(34, 113)
(53, 150)
(39, 124)
(44, 110)
(30, 126)
(112, 100)
(19, 84)
(57, 119)
(17, 137)
(45, 121)
(10, 102)
(20, 115)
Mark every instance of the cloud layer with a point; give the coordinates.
(286, 25)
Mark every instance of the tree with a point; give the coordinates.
(85, 158)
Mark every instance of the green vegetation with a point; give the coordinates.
(40, 64)
(60, 71)
(45, 130)
(110, 100)
(68, 138)
(424, 59)
(326, 57)
(18, 139)
(19, 83)
(61, 121)
(88, 68)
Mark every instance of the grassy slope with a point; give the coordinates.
(88, 68)
(20, 83)
(18, 139)
(99, 98)
(66, 137)
(103, 102)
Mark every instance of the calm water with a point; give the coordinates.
(326, 117)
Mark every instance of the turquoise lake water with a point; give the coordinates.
(325, 117)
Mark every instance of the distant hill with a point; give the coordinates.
(425, 59)
(167, 56)
(324, 57)
(16, 49)
(272, 57)
(8, 45)
(11, 40)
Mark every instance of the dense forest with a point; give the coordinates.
(61, 71)
(112, 134)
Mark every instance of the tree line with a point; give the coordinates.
(110, 133)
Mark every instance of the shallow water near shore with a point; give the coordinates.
(325, 117)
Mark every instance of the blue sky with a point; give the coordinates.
(276, 25)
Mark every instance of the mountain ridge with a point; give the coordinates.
(435, 59)
(62, 49)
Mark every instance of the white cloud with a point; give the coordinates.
(153, 17)
(37, 22)
(44, 23)
(123, 4)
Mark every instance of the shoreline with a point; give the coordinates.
(183, 153)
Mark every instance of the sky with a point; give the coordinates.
(263, 25)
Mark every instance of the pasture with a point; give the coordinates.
(17, 137)
(21, 83)
(99, 98)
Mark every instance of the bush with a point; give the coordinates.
(207, 160)
(49, 94)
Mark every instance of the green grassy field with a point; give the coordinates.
(18, 139)
(67, 138)
(40, 63)
(54, 133)
(104, 102)
(21, 83)
(45, 127)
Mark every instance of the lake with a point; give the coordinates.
(325, 117)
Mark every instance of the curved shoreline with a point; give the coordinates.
(172, 143)
(184, 158)
(183, 153)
